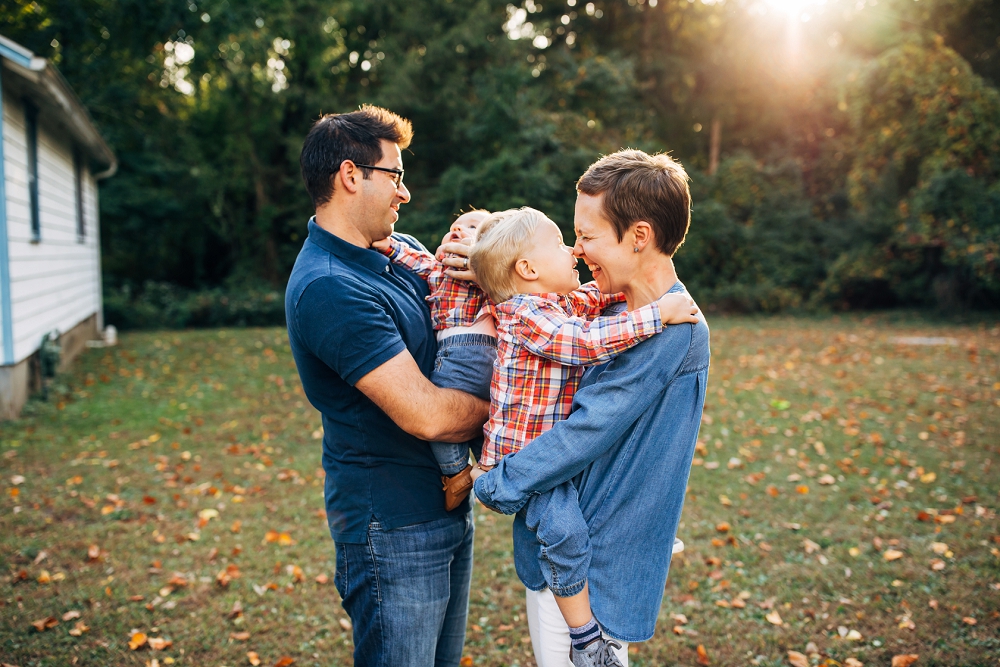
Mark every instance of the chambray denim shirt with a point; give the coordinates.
(627, 446)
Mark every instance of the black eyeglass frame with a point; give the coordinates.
(398, 172)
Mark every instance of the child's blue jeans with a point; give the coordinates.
(464, 362)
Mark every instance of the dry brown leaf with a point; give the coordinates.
(284, 661)
(79, 628)
(322, 579)
(904, 660)
(968, 620)
(853, 662)
(44, 624)
(798, 659)
(93, 552)
(159, 643)
(253, 658)
(240, 636)
(345, 623)
(892, 554)
(70, 615)
(137, 641)
(774, 617)
(702, 655)
(723, 527)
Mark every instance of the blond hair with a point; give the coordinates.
(501, 240)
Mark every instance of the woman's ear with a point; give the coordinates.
(642, 235)
(524, 270)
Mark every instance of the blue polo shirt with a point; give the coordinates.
(349, 311)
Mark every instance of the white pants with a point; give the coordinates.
(549, 633)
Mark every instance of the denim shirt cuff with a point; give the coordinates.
(485, 488)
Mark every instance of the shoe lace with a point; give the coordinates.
(608, 657)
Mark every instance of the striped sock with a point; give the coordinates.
(585, 634)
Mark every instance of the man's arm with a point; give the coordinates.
(418, 407)
(602, 413)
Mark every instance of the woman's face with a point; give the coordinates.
(610, 261)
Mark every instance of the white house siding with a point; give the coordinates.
(55, 282)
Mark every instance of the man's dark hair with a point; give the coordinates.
(351, 136)
(639, 186)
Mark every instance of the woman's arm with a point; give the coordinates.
(602, 414)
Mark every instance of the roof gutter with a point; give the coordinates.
(50, 84)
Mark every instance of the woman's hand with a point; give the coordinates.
(456, 256)
(677, 308)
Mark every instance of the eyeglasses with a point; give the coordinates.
(398, 172)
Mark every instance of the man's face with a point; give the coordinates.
(380, 196)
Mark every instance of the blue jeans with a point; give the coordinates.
(407, 592)
(563, 538)
(464, 362)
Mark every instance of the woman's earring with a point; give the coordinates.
(635, 249)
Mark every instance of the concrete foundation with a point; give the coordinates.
(21, 380)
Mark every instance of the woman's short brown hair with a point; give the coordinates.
(639, 186)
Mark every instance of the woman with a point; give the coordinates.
(628, 445)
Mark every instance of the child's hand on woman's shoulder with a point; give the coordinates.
(677, 308)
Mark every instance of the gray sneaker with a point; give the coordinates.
(598, 653)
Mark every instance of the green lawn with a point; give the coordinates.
(843, 505)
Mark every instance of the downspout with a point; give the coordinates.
(6, 318)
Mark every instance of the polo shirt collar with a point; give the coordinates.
(366, 257)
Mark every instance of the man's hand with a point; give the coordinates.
(455, 254)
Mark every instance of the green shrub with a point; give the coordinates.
(160, 305)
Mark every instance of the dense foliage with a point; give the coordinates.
(858, 149)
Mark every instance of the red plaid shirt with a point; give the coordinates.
(453, 303)
(544, 341)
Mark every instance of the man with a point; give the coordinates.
(628, 444)
(361, 336)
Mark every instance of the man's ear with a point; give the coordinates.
(347, 177)
(524, 270)
(642, 234)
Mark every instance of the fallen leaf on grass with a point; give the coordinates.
(298, 576)
(253, 658)
(282, 539)
(774, 618)
(722, 527)
(137, 641)
(70, 615)
(93, 552)
(798, 659)
(892, 554)
(44, 624)
(939, 547)
(810, 546)
(680, 618)
(322, 579)
(240, 636)
(159, 643)
(853, 662)
(968, 620)
(284, 661)
(937, 564)
(345, 623)
(79, 628)
(853, 635)
(466, 661)
(904, 660)
(702, 655)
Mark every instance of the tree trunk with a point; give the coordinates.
(713, 146)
